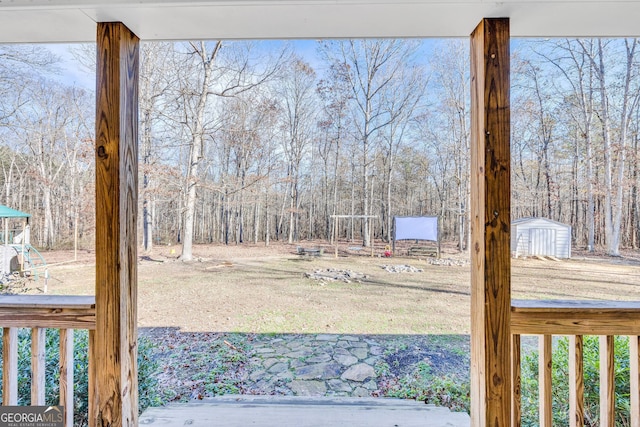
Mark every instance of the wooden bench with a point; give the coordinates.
(423, 251)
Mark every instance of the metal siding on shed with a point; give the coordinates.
(520, 241)
(542, 241)
(550, 238)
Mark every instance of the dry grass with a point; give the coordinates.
(258, 289)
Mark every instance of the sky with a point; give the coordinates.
(72, 73)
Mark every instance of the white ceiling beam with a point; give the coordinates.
(74, 21)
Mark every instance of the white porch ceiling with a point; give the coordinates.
(75, 20)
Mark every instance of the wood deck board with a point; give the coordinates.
(48, 301)
(561, 317)
(531, 306)
(267, 411)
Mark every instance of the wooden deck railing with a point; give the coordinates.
(40, 312)
(576, 319)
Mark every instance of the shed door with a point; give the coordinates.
(542, 241)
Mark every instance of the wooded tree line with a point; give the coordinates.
(46, 155)
(254, 142)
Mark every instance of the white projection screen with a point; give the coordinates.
(416, 228)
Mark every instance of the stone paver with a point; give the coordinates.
(359, 373)
(345, 359)
(316, 365)
(360, 353)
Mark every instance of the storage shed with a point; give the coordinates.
(540, 236)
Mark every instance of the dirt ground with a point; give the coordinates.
(264, 289)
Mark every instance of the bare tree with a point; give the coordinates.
(615, 156)
(334, 125)
(371, 67)
(155, 81)
(55, 129)
(401, 102)
(19, 65)
(451, 81)
(577, 70)
(204, 72)
(299, 106)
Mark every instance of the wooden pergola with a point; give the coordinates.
(118, 25)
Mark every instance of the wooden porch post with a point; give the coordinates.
(490, 225)
(115, 400)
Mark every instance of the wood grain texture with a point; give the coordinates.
(115, 349)
(576, 381)
(490, 224)
(516, 381)
(48, 318)
(575, 317)
(300, 411)
(10, 367)
(47, 301)
(47, 311)
(634, 369)
(546, 306)
(607, 382)
(66, 375)
(545, 388)
(38, 344)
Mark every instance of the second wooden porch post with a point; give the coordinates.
(490, 225)
(115, 383)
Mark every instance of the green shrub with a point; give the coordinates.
(148, 389)
(560, 381)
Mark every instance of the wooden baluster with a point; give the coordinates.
(38, 344)
(10, 367)
(607, 382)
(544, 376)
(66, 375)
(634, 368)
(516, 382)
(576, 381)
(93, 393)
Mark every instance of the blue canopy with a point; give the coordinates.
(6, 212)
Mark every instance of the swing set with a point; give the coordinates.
(17, 253)
(336, 224)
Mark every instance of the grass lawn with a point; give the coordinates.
(264, 290)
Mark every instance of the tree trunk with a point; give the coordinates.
(267, 225)
(291, 211)
(147, 229)
(196, 149)
(48, 218)
(635, 205)
(622, 148)
(388, 213)
(608, 162)
(365, 176)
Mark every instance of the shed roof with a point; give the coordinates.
(536, 218)
(75, 20)
(7, 212)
